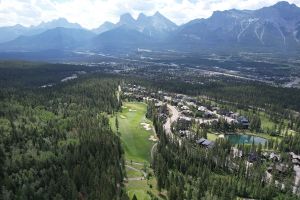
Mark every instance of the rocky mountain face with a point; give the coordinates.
(57, 23)
(156, 26)
(270, 27)
(106, 26)
(130, 33)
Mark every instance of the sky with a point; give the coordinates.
(92, 13)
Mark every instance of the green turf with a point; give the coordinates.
(139, 188)
(133, 173)
(266, 122)
(134, 137)
(212, 137)
(137, 146)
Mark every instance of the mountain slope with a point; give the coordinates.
(10, 33)
(121, 38)
(54, 39)
(106, 26)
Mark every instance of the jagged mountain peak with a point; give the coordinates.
(273, 27)
(154, 26)
(284, 4)
(126, 18)
(141, 16)
(59, 22)
(106, 26)
(158, 14)
(233, 13)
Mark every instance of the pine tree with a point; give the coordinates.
(117, 124)
(134, 197)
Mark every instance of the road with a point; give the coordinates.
(297, 178)
(170, 120)
(152, 150)
(167, 126)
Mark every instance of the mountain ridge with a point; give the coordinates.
(273, 28)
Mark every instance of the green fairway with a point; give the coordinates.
(137, 146)
(141, 188)
(134, 136)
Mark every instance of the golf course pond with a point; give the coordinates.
(245, 139)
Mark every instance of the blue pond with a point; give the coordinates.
(245, 139)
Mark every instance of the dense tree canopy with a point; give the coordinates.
(56, 143)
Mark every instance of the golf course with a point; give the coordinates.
(135, 132)
(138, 137)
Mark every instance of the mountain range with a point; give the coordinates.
(275, 28)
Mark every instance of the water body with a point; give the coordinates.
(245, 139)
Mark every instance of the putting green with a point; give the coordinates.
(134, 136)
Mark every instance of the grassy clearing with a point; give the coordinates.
(134, 136)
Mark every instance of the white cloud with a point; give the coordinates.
(92, 13)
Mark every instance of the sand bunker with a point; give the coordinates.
(131, 110)
(146, 126)
(124, 107)
(153, 138)
(122, 116)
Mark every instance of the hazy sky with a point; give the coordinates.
(92, 13)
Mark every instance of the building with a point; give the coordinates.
(187, 112)
(205, 143)
(167, 98)
(184, 123)
(184, 108)
(295, 158)
(159, 104)
(253, 157)
(244, 122)
(185, 133)
(274, 157)
(202, 108)
(280, 168)
(236, 152)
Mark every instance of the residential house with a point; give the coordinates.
(205, 143)
(244, 122)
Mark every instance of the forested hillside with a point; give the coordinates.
(56, 142)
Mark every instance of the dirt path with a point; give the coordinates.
(138, 170)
